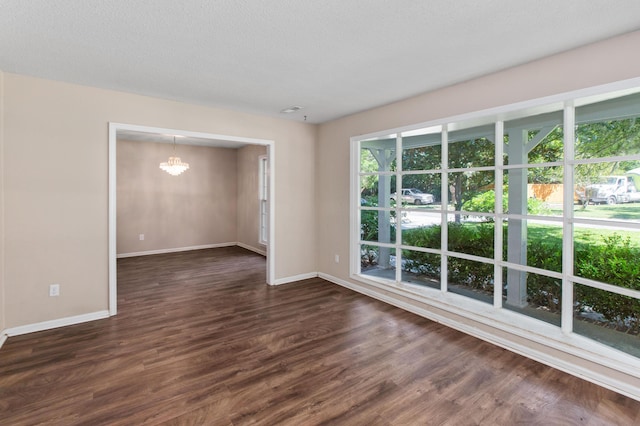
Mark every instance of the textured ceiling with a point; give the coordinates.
(332, 57)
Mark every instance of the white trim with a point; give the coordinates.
(295, 278)
(444, 205)
(566, 297)
(112, 256)
(578, 346)
(398, 207)
(263, 199)
(498, 236)
(271, 231)
(253, 249)
(201, 247)
(354, 207)
(192, 134)
(61, 322)
(575, 279)
(614, 159)
(113, 269)
(3, 337)
(605, 222)
(175, 250)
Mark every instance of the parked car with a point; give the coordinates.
(612, 190)
(413, 196)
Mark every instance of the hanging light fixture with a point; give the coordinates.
(174, 166)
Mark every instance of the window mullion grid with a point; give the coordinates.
(444, 207)
(569, 122)
(536, 165)
(398, 208)
(623, 291)
(472, 169)
(497, 237)
(611, 159)
(610, 223)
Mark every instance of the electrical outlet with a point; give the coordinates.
(54, 290)
(337, 258)
(141, 236)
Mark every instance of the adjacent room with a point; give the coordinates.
(302, 212)
(218, 199)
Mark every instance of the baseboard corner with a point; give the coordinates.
(294, 278)
(174, 250)
(251, 248)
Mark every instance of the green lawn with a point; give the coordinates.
(582, 235)
(604, 211)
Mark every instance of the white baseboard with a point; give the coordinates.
(61, 322)
(250, 248)
(294, 278)
(174, 250)
(3, 337)
(561, 363)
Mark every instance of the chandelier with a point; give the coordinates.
(174, 166)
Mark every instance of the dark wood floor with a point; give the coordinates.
(200, 339)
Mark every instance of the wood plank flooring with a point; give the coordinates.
(201, 340)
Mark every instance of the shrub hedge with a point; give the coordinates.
(611, 260)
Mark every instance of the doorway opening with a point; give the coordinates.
(164, 135)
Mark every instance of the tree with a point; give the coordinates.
(549, 150)
(464, 154)
(369, 183)
(423, 158)
(593, 140)
(606, 139)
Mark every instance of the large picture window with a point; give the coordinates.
(535, 212)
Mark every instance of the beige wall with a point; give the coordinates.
(604, 62)
(196, 208)
(248, 202)
(2, 300)
(55, 171)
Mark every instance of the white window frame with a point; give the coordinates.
(560, 338)
(263, 199)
